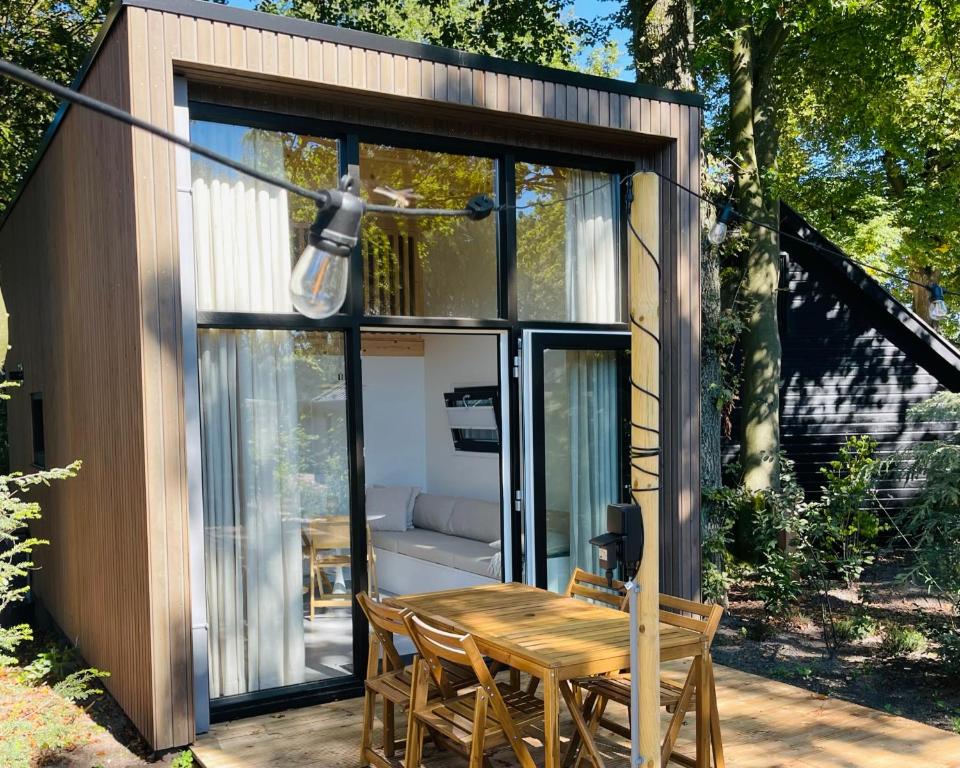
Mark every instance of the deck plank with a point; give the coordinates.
(766, 724)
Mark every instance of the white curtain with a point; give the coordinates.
(249, 405)
(594, 427)
(591, 254)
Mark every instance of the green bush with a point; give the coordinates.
(948, 650)
(849, 629)
(898, 641)
(931, 526)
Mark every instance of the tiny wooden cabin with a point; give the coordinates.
(463, 416)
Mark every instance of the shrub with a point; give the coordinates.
(852, 628)
(931, 526)
(948, 650)
(898, 641)
(843, 525)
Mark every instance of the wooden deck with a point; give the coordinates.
(766, 724)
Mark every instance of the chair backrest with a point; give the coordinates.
(689, 614)
(589, 586)
(385, 623)
(436, 646)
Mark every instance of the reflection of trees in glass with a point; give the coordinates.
(312, 462)
(541, 240)
(448, 264)
(310, 162)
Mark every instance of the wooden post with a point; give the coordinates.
(645, 434)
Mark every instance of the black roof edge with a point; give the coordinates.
(287, 25)
(370, 41)
(902, 326)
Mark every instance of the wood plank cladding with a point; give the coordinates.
(391, 345)
(70, 278)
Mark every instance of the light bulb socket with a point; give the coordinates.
(936, 292)
(479, 207)
(336, 228)
(726, 213)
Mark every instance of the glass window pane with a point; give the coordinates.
(582, 432)
(427, 267)
(247, 234)
(566, 245)
(276, 505)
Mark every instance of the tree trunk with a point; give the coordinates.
(760, 398)
(711, 471)
(662, 42)
(920, 293)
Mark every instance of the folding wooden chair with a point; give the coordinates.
(589, 586)
(387, 677)
(678, 699)
(472, 723)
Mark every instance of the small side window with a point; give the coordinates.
(36, 415)
(474, 416)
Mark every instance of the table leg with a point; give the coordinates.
(551, 720)
(703, 711)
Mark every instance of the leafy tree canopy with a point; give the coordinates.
(858, 123)
(50, 37)
(534, 31)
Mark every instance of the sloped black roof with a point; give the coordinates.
(904, 328)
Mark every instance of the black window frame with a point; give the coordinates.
(37, 430)
(352, 321)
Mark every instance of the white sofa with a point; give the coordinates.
(454, 542)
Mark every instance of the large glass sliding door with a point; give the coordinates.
(574, 442)
(276, 508)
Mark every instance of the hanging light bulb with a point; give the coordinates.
(938, 307)
(318, 284)
(718, 232)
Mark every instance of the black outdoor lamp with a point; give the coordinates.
(718, 232)
(318, 285)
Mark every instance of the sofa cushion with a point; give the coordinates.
(475, 519)
(389, 507)
(432, 512)
(440, 548)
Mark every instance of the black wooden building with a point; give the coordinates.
(854, 359)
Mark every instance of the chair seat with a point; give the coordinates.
(453, 718)
(618, 689)
(395, 686)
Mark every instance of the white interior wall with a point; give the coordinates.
(457, 361)
(394, 421)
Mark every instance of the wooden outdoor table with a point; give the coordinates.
(556, 638)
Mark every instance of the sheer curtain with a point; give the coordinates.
(249, 408)
(591, 254)
(592, 295)
(594, 460)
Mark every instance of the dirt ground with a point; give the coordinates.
(794, 650)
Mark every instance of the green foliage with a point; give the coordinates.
(536, 31)
(16, 549)
(182, 759)
(931, 526)
(59, 667)
(898, 641)
(948, 649)
(50, 37)
(720, 510)
(842, 526)
(849, 629)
